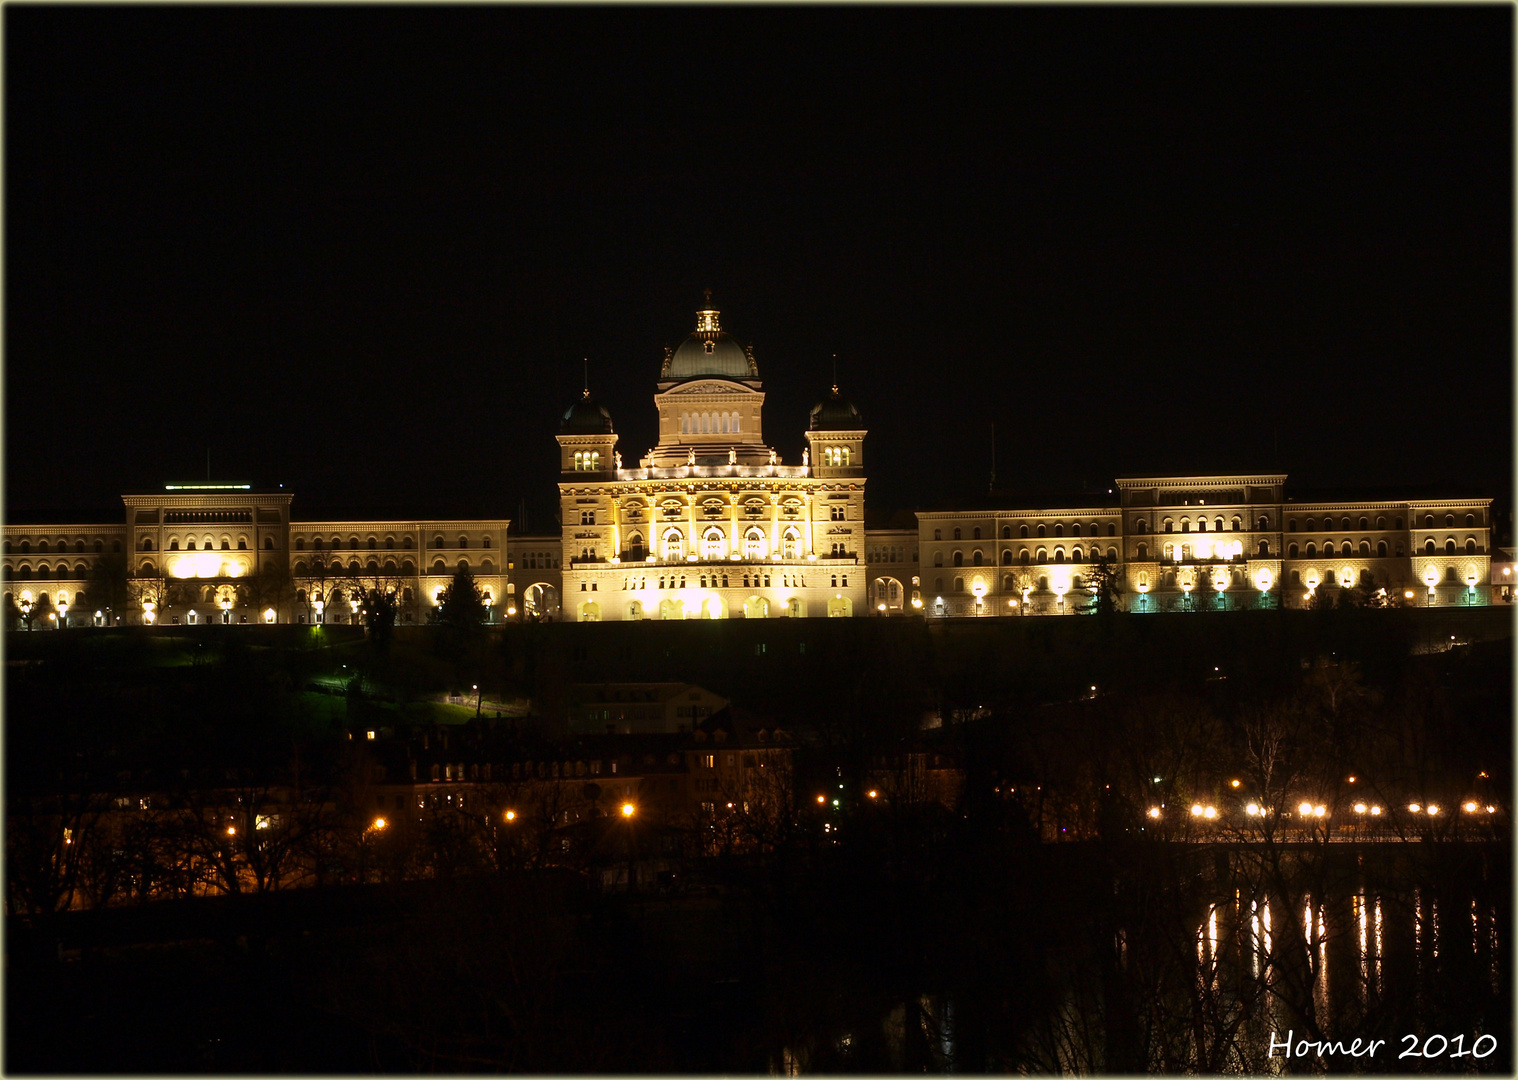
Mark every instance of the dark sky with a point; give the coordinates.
(362, 251)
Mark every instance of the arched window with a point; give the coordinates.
(937, 534)
(1264, 548)
(1041, 533)
(1059, 554)
(976, 535)
(1399, 522)
(1143, 553)
(1236, 523)
(1470, 546)
(1169, 525)
(1364, 547)
(1006, 532)
(1075, 553)
(1428, 521)
(226, 544)
(1291, 526)
(268, 543)
(685, 423)
(959, 584)
(937, 558)
(147, 543)
(1470, 521)
(1201, 525)
(956, 534)
(1024, 556)
(1006, 557)
(959, 558)
(1185, 525)
(1449, 521)
(1022, 531)
(1429, 548)
(1043, 555)
(674, 544)
(1217, 525)
(1312, 551)
(1141, 526)
(1291, 551)
(1059, 530)
(1328, 548)
(635, 547)
(463, 542)
(754, 543)
(1449, 546)
(1075, 530)
(405, 543)
(1381, 548)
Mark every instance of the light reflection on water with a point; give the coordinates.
(1359, 951)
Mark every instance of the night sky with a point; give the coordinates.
(361, 252)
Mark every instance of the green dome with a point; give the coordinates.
(585, 417)
(709, 351)
(837, 413)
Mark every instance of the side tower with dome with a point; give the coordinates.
(712, 523)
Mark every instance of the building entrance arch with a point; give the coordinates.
(756, 607)
(541, 601)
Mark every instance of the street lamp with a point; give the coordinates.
(354, 605)
(488, 601)
(226, 609)
(26, 609)
(63, 613)
(147, 611)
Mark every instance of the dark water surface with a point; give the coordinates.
(1047, 961)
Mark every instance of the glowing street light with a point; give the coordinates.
(628, 809)
(1154, 812)
(63, 613)
(511, 815)
(1252, 809)
(1305, 809)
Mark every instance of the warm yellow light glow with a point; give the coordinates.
(1375, 811)
(1491, 809)
(821, 799)
(1408, 595)
(380, 823)
(1432, 810)
(1305, 809)
(511, 815)
(269, 615)
(1319, 811)
(1233, 783)
(1154, 811)
(1253, 809)
(1359, 808)
(1470, 808)
(231, 831)
(873, 793)
(1210, 812)
(627, 809)
(1351, 779)
(1196, 810)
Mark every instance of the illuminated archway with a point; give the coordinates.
(840, 607)
(713, 607)
(671, 609)
(795, 608)
(541, 601)
(756, 607)
(634, 610)
(590, 611)
(887, 591)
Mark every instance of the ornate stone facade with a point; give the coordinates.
(712, 523)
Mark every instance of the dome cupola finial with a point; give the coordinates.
(706, 318)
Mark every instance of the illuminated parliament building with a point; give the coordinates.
(711, 523)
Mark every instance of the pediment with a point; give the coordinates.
(705, 389)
